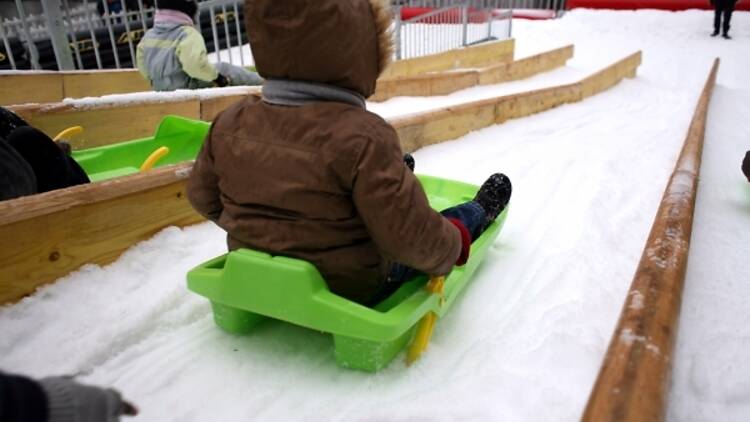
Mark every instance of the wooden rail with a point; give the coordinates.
(18, 87)
(634, 377)
(46, 236)
(451, 122)
(108, 123)
(51, 86)
(480, 55)
(444, 83)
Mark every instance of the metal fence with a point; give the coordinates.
(558, 5)
(99, 34)
(447, 28)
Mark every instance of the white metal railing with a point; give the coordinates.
(87, 37)
(447, 28)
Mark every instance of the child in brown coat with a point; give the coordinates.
(306, 171)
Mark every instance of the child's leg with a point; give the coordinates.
(238, 76)
(471, 214)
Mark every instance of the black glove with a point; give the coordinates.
(221, 81)
(69, 400)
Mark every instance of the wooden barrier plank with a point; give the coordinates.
(451, 122)
(48, 235)
(82, 84)
(606, 78)
(526, 67)
(37, 87)
(480, 55)
(444, 83)
(633, 380)
(424, 85)
(94, 223)
(211, 107)
(105, 126)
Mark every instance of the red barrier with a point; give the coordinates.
(475, 16)
(673, 5)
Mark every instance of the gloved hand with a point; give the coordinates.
(465, 241)
(69, 400)
(409, 161)
(222, 81)
(746, 165)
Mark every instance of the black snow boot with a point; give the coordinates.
(726, 36)
(493, 196)
(409, 161)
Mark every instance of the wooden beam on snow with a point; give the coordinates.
(633, 381)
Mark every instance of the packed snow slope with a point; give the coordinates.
(526, 339)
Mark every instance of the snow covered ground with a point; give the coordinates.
(525, 341)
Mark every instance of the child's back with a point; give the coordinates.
(306, 171)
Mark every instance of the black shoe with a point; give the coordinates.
(494, 195)
(409, 161)
(727, 37)
(715, 33)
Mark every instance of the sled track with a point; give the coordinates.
(634, 377)
(95, 223)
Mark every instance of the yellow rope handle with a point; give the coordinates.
(426, 324)
(154, 157)
(68, 133)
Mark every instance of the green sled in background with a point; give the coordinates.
(246, 286)
(182, 136)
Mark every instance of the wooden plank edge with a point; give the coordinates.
(412, 128)
(452, 59)
(634, 377)
(26, 207)
(447, 82)
(526, 67)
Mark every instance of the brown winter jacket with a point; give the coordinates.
(325, 181)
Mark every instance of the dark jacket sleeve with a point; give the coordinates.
(395, 209)
(21, 400)
(203, 184)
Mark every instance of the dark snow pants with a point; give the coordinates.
(53, 168)
(16, 176)
(723, 7)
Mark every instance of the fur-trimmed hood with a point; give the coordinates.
(346, 43)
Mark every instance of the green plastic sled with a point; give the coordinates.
(246, 286)
(182, 136)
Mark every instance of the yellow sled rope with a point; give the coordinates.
(154, 157)
(68, 133)
(426, 324)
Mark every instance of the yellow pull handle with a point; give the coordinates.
(154, 157)
(426, 324)
(68, 133)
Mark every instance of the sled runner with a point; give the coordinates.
(177, 139)
(246, 286)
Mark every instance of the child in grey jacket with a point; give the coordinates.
(172, 55)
